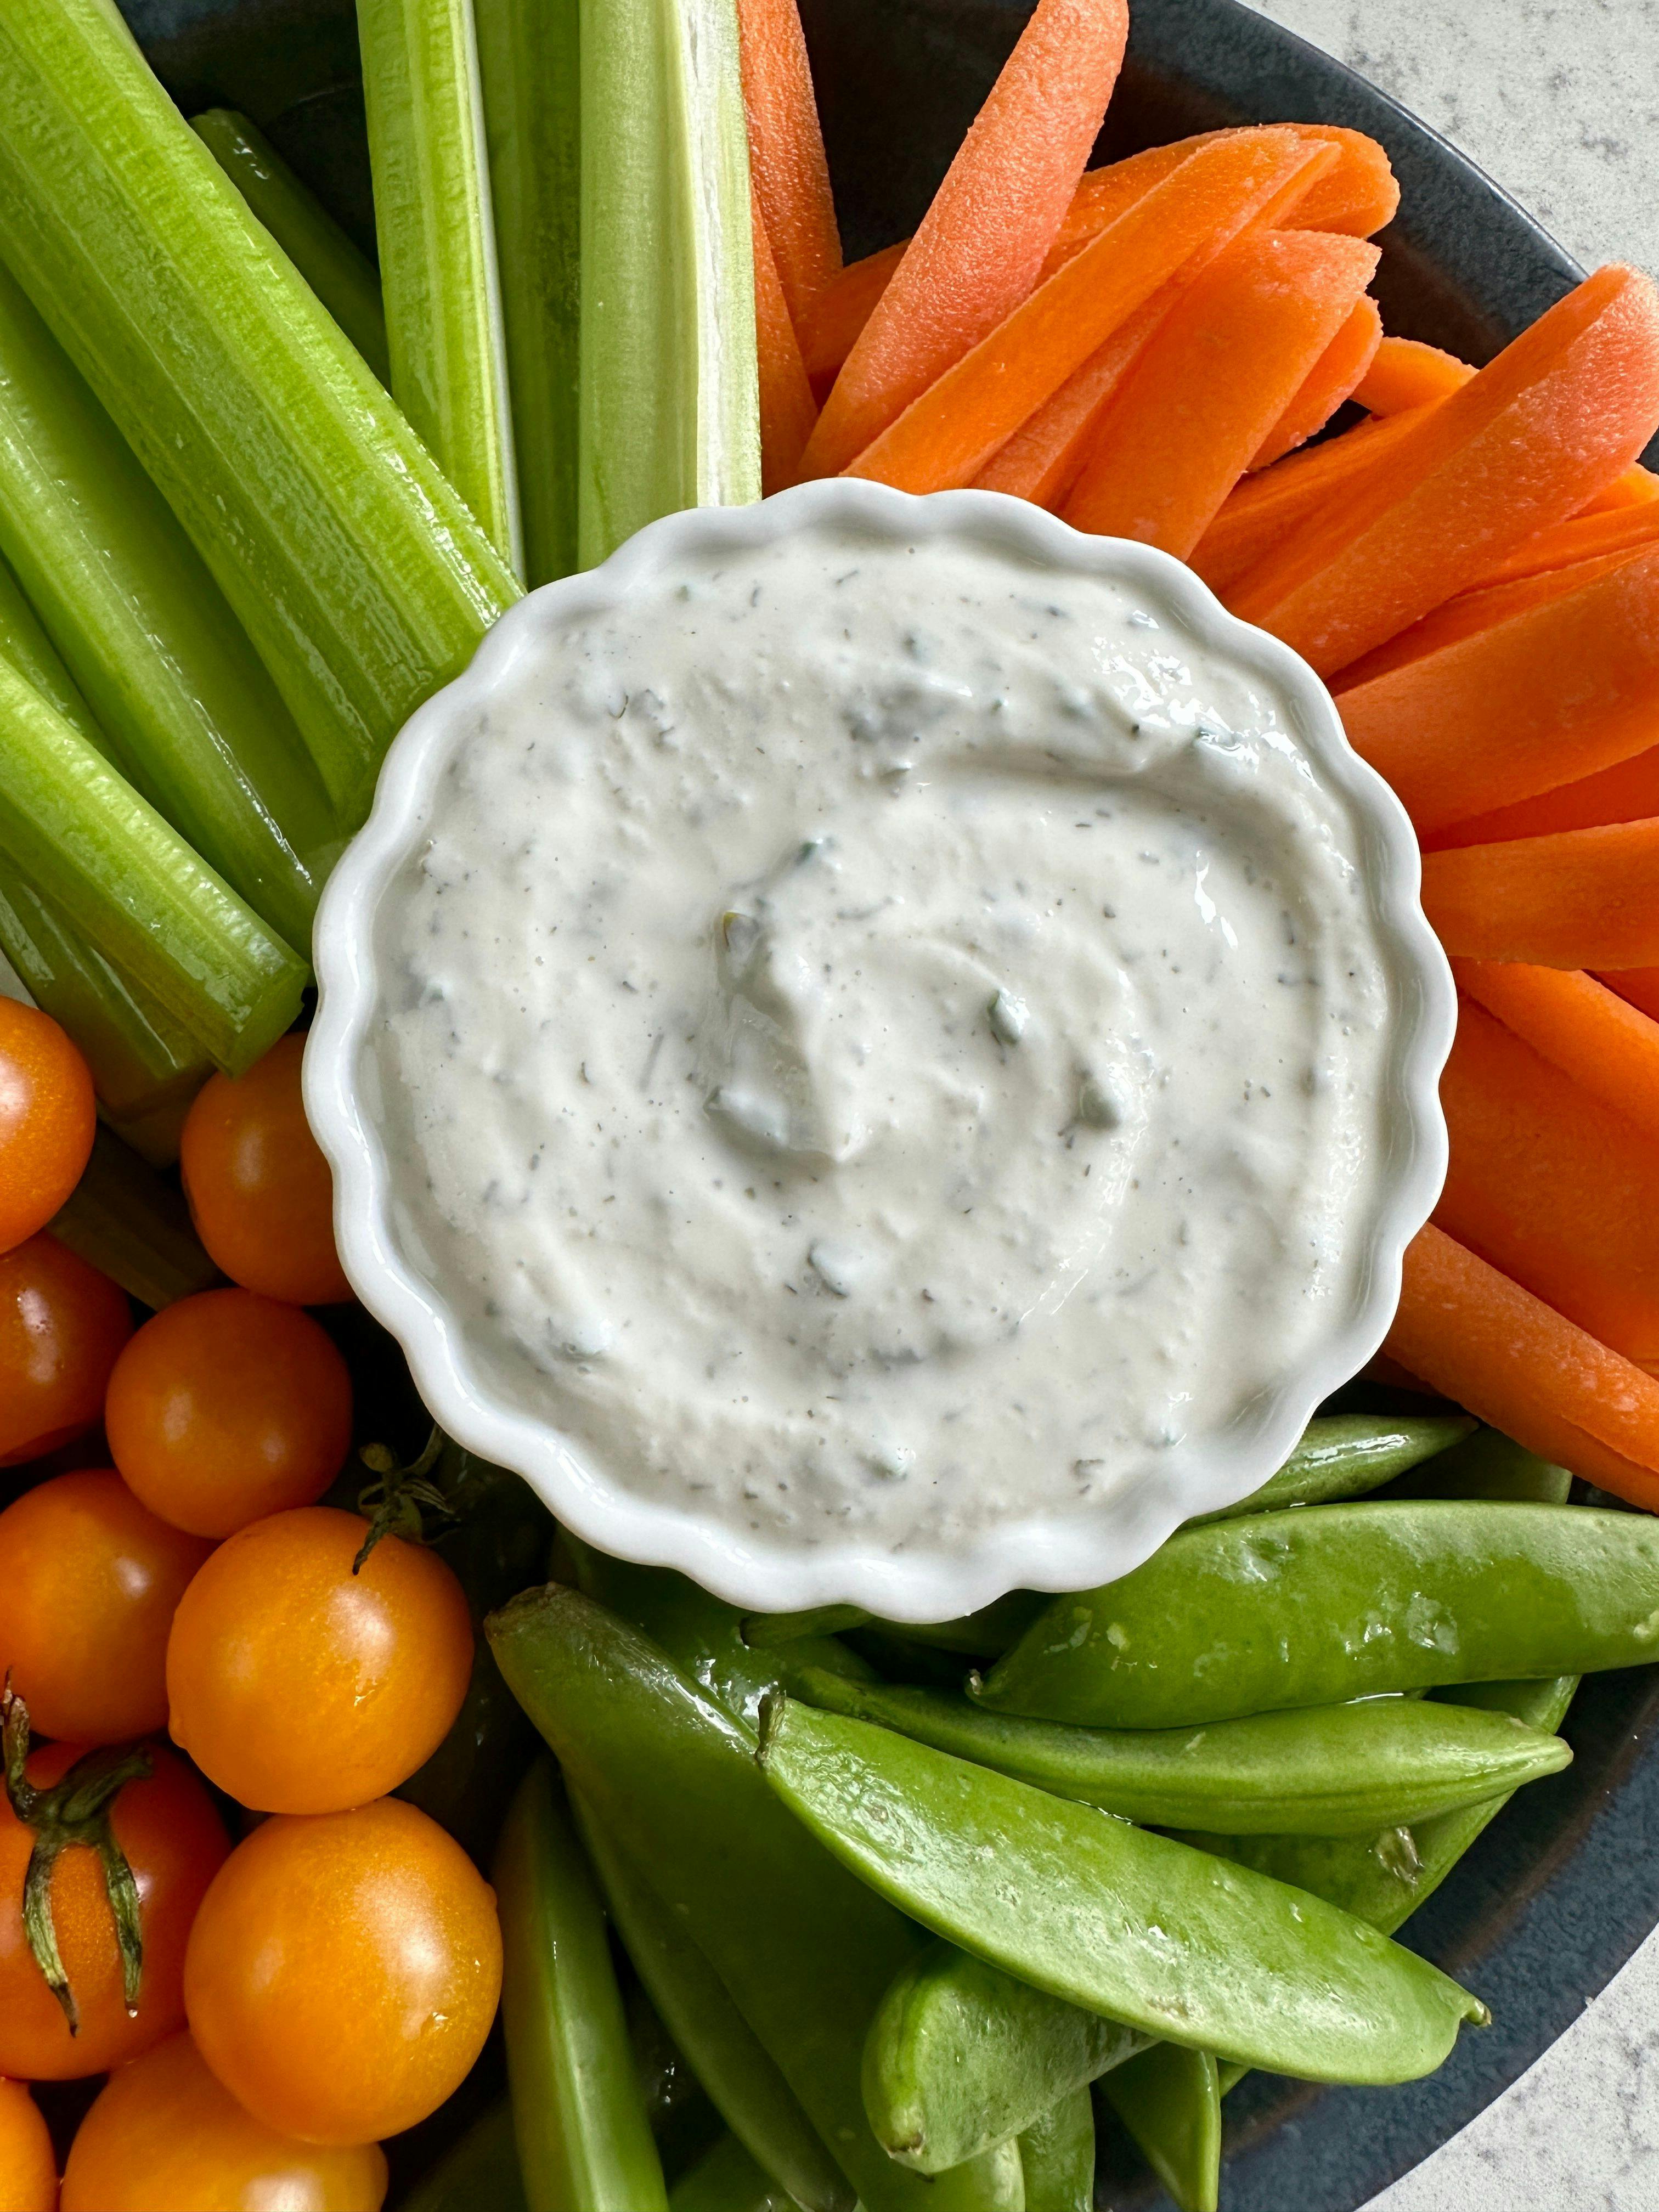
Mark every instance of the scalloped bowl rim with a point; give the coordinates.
(1048, 1552)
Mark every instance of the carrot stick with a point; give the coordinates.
(1492, 1345)
(1581, 1027)
(1214, 379)
(1327, 384)
(787, 408)
(1558, 691)
(1585, 898)
(1408, 373)
(946, 437)
(1551, 1184)
(1585, 537)
(788, 170)
(1263, 511)
(988, 233)
(1626, 793)
(1469, 613)
(1638, 986)
(1041, 460)
(833, 318)
(1638, 487)
(1523, 445)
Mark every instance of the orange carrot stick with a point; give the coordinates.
(988, 233)
(786, 411)
(1550, 1184)
(1638, 487)
(1408, 373)
(1626, 793)
(1523, 445)
(1585, 537)
(833, 318)
(1264, 510)
(944, 438)
(1469, 613)
(1589, 1032)
(1638, 986)
(1327, 384)
(787, 163)
(1558, 691)
(1213, 380)
(1041, 462)
(1489, 1345)
(1587, 898)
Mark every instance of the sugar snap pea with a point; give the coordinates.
(753, 2099)
(805, 1950)
(1344, 1455)
(481, 2169)
(765, 1632)
(1326, 1770)
(1169, 2099)
(961, 2055)
(726, 2179)
(1335, 1602)
(1057, 2155)
(1116, 1919)
(583, 2141)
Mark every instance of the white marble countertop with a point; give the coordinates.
(1558, 100)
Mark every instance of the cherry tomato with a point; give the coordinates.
(164, 2136)
(299, 1686)
(175, 1843)
(343, 1972)
(259, 1189)
(225, 1407)
(90, 1578)
(28, 2168)
(62, 1325)
(47, 1118)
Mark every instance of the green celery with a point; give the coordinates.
(33, 655)
(529, 72)
(123, 1219)
(355, 566)
(437, 237)
(74, 825)
(343, 278)
(669, 402)
(189, 713)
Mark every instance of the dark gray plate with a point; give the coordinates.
(1564, 1885)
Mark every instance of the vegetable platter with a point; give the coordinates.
(1068, 1901)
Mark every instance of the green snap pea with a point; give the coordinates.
(752, 2096)
(1169, 2099)
(727, 2180)
(1057, 2156)
(805, 1950)
(1344, 1455)
(583, 2141)
(1118, 1920)
(765, 1632)
(961, 2057)
(481, 2169)
(1335, 1602)
(684, 2123)
(1489, 1464)
(1326, 1770)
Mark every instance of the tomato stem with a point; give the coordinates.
(77, 1810)
(397, 1502)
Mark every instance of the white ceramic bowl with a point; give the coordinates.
(1198, 1476)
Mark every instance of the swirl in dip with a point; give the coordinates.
(885, 1040)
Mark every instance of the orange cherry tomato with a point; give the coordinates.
(259, 1189)
(164, 2136)
(62, 1325)
(89, 1582)
(175, 1843)
(343, 1971)
(300, 1686)
(29, 2166)
(225, 1407)
(47, 1118)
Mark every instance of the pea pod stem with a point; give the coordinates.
(1335, 1602)
(80, 832)
(1169, 2099)
(344, 279)
(356, 570)
(579, 2119)
(1109, 1917)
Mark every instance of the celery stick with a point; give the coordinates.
(437, 239)
(344, 279)
(352, 563)
(121, 1218)
(669, 409)
(529, 72)
(33, 655)
(75, 826)
(194, 720)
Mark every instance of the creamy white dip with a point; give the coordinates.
(883, 1040)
